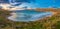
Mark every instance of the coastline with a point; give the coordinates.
(47, 14)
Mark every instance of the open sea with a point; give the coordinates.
(28, 15)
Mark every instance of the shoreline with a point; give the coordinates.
(14, 16)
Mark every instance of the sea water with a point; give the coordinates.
(28, 15)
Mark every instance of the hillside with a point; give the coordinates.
(46, 23)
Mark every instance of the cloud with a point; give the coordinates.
(31, 3)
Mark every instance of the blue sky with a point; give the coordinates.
(39, 3)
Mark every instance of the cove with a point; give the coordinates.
(28, 15)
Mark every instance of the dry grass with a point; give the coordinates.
(46, 23)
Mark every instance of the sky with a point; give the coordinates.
(33, 3)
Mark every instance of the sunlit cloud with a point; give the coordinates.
(29, 4)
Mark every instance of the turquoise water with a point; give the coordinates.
(30, 15)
